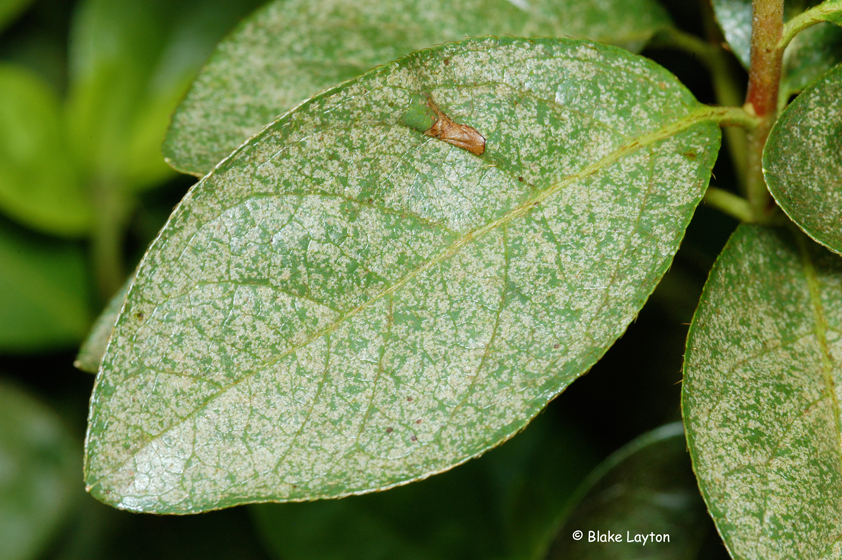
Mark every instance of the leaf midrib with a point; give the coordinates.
(700, 115)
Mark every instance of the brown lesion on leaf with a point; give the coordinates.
(460, 135)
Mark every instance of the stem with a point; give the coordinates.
(107, 239)
(762, 96)
(729, 203)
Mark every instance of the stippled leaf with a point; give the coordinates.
(642, 492)
(500, 506)
(802, 160)
(348, 304)
(39, 183)
(292, 49)
(44, 291)
(38, 477)
(760, 409)
(92, 350)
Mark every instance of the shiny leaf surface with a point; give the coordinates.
(802, 161)
(348, 304)
(292, 49)
(759, 404)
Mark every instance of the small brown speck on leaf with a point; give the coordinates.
(408, 399)
(556, 345)
(389, 430)
(413, 438)
(460, 135)
(418, 421)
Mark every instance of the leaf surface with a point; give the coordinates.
(45, 293)
(646, 487)
(93, 349)
(759, 403)
(349, 304)
(802, 160)
(811, 53)
(39, 474)
(39, 183)
(292, 49)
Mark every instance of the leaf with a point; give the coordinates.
(760, 410)
(92, 350)
(130, 64)
(45, 297)
(38, 476)
(734, 17)
(9, 10)
(292, 49)
(500, 506)
(39, 185)
(644, 490)
(348, 304)
(802, 163)
(813, 52)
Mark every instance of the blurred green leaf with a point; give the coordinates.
(379, 305)
(646, 489)
(501, 506)
(43, 293)
(39, 185)
(130, 64)
(39, 469)
(92, 350)
(813, 52)
(292, 49)
(802, 160)
(9, 10)
(759, 396)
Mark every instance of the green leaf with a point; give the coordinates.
(45, 293)
(38, 475)
(92, 350)
(348, 304)
(500, 506)
(9, 10)
(39, 185)
(760, 409)
(802, 163)
(813, 52)
(131, 63)
(643, 491)
(292, 49)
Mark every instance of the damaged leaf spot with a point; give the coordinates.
(460, 135)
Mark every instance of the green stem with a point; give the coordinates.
(729, 203)
(107, 239)
(762, 97)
